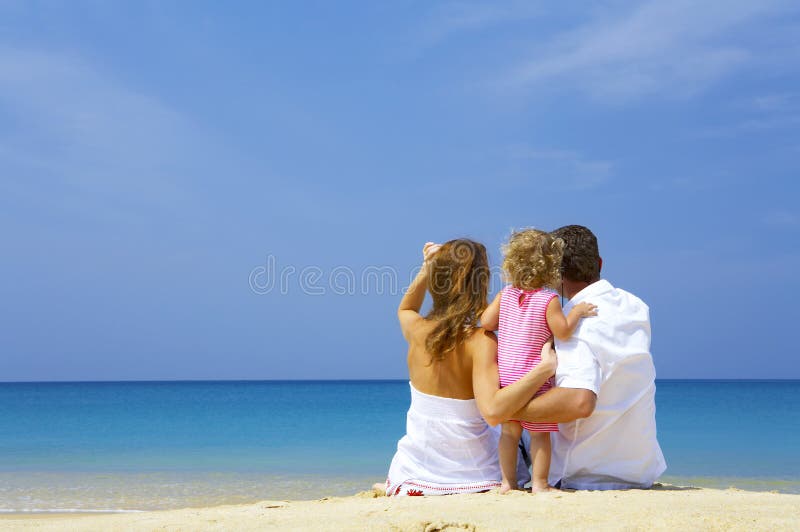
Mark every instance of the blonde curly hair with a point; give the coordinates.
(533, 259)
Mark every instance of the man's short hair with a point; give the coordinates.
(581, 260)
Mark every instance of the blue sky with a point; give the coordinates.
(154, 155)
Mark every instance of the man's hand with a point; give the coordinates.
(549, 357)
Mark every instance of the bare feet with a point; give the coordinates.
(541, 488)
(505, 488)
(379, 487)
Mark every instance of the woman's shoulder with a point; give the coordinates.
(480, 338)
(420, 330)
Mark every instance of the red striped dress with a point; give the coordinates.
(522, 333)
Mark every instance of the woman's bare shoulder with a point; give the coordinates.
(418, 333)
(480, 339)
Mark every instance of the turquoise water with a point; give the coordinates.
(149, 445)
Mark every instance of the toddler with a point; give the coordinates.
(526, 314)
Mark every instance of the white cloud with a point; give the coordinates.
(781, 218)
(674, 48)
(453, 18)
(71, 129)
(751, 126)
(780, 102)
(564, 167)
(757, 115)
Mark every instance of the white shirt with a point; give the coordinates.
(615, 447)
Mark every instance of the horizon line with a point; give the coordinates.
(132, 381)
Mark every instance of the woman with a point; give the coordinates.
(448, 447)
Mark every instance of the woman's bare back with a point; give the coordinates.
(450, 376)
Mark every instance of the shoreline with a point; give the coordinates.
(167, 493)
(753, 487)
(664, 507)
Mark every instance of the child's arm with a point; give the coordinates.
(490, 319)
(408, 311)
(563, 327)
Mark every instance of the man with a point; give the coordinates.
(605, 394)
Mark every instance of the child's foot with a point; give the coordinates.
(505, 488)
(379, 487)
(541, 488)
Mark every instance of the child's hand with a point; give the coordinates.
(429, 249)
(585, 309)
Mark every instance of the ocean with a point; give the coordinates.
(134, 446)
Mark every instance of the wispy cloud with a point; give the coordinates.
(686, 184)
(564, 167)
(756, 115)
(450, 19)
(751, 126)
(781, 218)
(96, 141)
(675, 49)
(780, 102)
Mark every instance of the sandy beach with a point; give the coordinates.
(664, 508)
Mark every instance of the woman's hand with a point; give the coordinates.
(549, 357)
(429, 250)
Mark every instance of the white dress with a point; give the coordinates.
(448, 448)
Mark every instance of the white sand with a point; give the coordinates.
(666, 508)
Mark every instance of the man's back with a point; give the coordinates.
(616, 447)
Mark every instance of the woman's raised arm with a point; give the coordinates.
(408, 311)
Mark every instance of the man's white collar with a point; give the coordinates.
(596, 288)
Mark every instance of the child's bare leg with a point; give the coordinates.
(508, 449)
(540, 454)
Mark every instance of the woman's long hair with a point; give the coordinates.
(458, 281)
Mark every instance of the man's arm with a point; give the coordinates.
(495, 404)
(561, 405)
